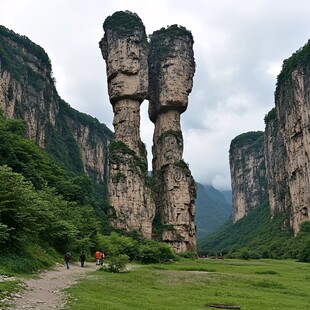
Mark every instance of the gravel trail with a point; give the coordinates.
(46, 292)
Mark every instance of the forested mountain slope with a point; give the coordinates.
(212, 211)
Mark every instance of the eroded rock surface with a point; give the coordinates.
(28, 92)
(286, 149)
(171, 67)
(247, 165)
(125, 49)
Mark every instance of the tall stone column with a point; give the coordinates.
(125, 50)
(171, 71)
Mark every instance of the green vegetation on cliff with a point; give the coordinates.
(301, 58)
(270, 116)
(163, 40)
(251, 140)
(42, 206)
(15, 49)
(119, 153)
(258, 236)
(124, 23)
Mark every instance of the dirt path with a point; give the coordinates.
(46, 292)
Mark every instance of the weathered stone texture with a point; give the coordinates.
(171, 76)
(125, 52)
(126, 65)
(126, 123)
(130, 197)
(286, 149)
(247, 166)
(30, 94)
(276, 172)
(23, 101)
(293, 107)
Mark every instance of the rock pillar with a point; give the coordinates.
(171, 71)
(125, 50)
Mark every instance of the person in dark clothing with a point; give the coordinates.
(82, 259)
(68, 259)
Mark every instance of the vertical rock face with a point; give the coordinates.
(286, 148)
(293, 114)
(27, 91)
(124, 48)
(26, 88)
(247, 165)
(171, 70)
(276, 165)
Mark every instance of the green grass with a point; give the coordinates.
(254, 284)
(8, 287)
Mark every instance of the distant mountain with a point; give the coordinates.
(212, 210)
(228, 196)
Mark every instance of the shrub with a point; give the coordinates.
(188, 254)
(117, 263)
(155, 252)
(304, 255)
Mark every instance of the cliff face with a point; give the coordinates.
(293, 115)
(247, 165)
(286, 148)
(276, 166)
(124, 48)
(27, 91)
(172, 67)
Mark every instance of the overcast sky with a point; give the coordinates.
(239, 47)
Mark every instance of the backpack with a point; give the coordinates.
(67, 257)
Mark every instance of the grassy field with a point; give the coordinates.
(194, 285)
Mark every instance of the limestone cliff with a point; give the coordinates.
(171, 71)
(27, 91)
(293, 115)
(276, 166)
(125, 49)
(247, 165)
(286, 147)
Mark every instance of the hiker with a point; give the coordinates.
(82, 259)
(68, 257)
(98, 257)
(102, 258)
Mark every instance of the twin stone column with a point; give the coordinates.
(161, 207)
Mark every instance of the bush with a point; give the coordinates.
(304, 255)
(117, 263)
(115, 244)
(188, 254)
(155, 252)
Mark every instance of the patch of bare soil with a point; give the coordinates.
(46, 292)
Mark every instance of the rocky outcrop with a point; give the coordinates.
(276, 166)
(171, 70)
(27, 91)
(125, 49)
(293, 115)
(247, 165)
(286, 148)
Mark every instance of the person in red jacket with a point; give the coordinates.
(98, 257)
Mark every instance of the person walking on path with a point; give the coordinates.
(101, 258)
(68, 258)
(98, 257)
(82, 259)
